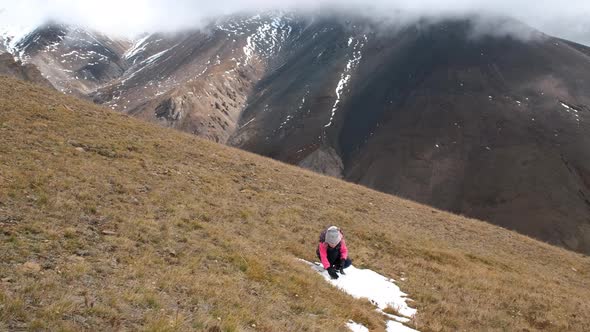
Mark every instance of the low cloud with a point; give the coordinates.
(129, 17)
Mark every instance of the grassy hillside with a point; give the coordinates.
(108, 223)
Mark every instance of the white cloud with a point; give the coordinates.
(568, 20)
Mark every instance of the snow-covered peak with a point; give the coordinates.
(265, 33)
(11, 34)
(46, 37)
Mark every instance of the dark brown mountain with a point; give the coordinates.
(491, 127)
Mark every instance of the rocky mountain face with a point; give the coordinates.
(200, 81)
(494, 127)
(3, 43)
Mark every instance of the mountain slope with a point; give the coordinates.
(111, 223)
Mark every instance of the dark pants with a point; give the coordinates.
(335, 258)
(347, 262)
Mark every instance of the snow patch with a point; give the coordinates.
(353, 62)
(379, 290)
(268, 38)
(69, 54)
(290, 117)
(393, 326)
(136, 69)
(247, 123)
(139, 46)
(284, 123)
(356, 327)
(154, 57)
(570, 109)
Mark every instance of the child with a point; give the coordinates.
(332, 251)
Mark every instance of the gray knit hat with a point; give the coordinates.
(333, 236)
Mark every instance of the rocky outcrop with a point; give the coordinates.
(324, 160)
(169, 110)
(30, 73)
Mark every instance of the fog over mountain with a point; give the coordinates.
(133, 17)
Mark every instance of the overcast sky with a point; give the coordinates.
(568, 19)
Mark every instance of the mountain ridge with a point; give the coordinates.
(428, 112)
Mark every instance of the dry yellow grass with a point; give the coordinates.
(135, 227)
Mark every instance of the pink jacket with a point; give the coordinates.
(323, 248)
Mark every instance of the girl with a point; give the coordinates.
(332, 251)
